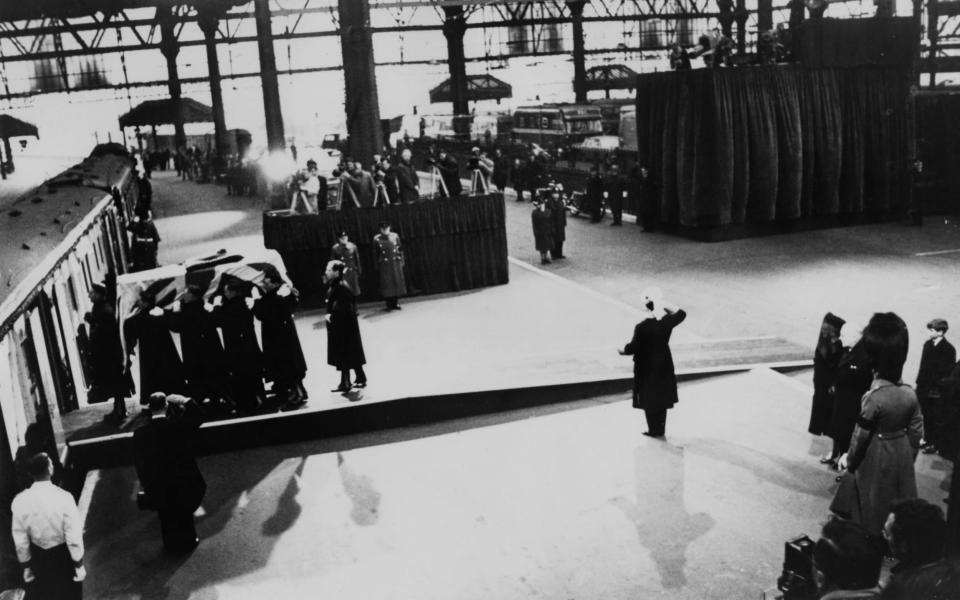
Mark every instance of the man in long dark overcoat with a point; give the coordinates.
(146, 332)
(283, 360)
(654, 378)
(106, 360)
(241, 351)
(558, 220)
(344, 345)
(164, 451)
(390, 266)
(593, 201)
(614, 189)
(204, 365)
(407, 178)
(542, 219)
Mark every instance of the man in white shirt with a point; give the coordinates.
(48, 536)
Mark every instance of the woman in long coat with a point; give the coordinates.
(344, 345)
(825, 360)
(887, 436)
(390, 265)
(654, 378)
(106, 360)
(542, 220)
(240, 348)
(147, 332)
(283, 361)
(346, 252)
(852, 380)
(558, 218)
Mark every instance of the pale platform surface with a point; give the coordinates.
(568, 503)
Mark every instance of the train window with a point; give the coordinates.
(71, 288)
(544, 122)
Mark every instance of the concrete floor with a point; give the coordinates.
(568, 503)
(558, 502)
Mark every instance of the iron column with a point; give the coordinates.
(454, 27)
(268, 76)
(579, 55)
(360, 81)
(208, 23)
(170, 48)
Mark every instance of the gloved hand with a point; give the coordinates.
(842, 462)
(250, 302)
(79, 573)
(28, 575)
(284, 291)
(156, 311)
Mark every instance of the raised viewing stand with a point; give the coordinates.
(448, 245)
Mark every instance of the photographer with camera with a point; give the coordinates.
(847, 560)
(450, 173)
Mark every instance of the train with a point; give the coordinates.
(56, 241)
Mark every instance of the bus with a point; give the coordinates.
(610, 112)
(556, 125)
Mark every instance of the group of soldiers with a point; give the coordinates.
(229, 374)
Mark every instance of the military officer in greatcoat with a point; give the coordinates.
(346, 252)
(390, 265)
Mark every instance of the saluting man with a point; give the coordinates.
(346, 252)
(390, 265)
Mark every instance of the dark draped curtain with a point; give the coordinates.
(448, 245)
(779, 143)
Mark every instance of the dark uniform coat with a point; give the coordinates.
(615, 185)
(282, 355)
(880, 459)
(349, 256)
(358, 191)
(143, 245)
(825, 360)
(654, 378)
(106, 360)
(501, 170)
(558, 219)
(165, 459)
(390, 265)
(594, 197)
(204, 364)
(160, 366)
(241, 351)
(344, 346)
(408, 181)
(852, 379)
(543, 229)
(936, 361)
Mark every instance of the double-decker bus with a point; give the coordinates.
(556, 125)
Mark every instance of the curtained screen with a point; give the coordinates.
(763, 144)
(448, 245)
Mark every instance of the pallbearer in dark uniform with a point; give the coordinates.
(164, 452)
(283, 360)
(390, 266)
(542, 220)
(204, 365)
(344, 346)
(146, 332)
(233, 316)
(346, 252)
(144, 241)
(654, 378)
(558, 221)
(107, 378)
(48, 536)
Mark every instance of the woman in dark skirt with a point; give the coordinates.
(825, 360)
(851, 381)
(344, 346)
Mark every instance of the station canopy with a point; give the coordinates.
(611, 77)
(13, 127)
(479, 87)
(161, 112)
(38, 9)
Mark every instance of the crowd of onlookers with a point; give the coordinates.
(878, 426)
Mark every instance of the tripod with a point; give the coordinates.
(478, 183)
(437, 184)
(381, 198)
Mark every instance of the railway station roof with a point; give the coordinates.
(161, 112)
(611, 77)
(479, 87)
(13, 127)
(37, 9)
